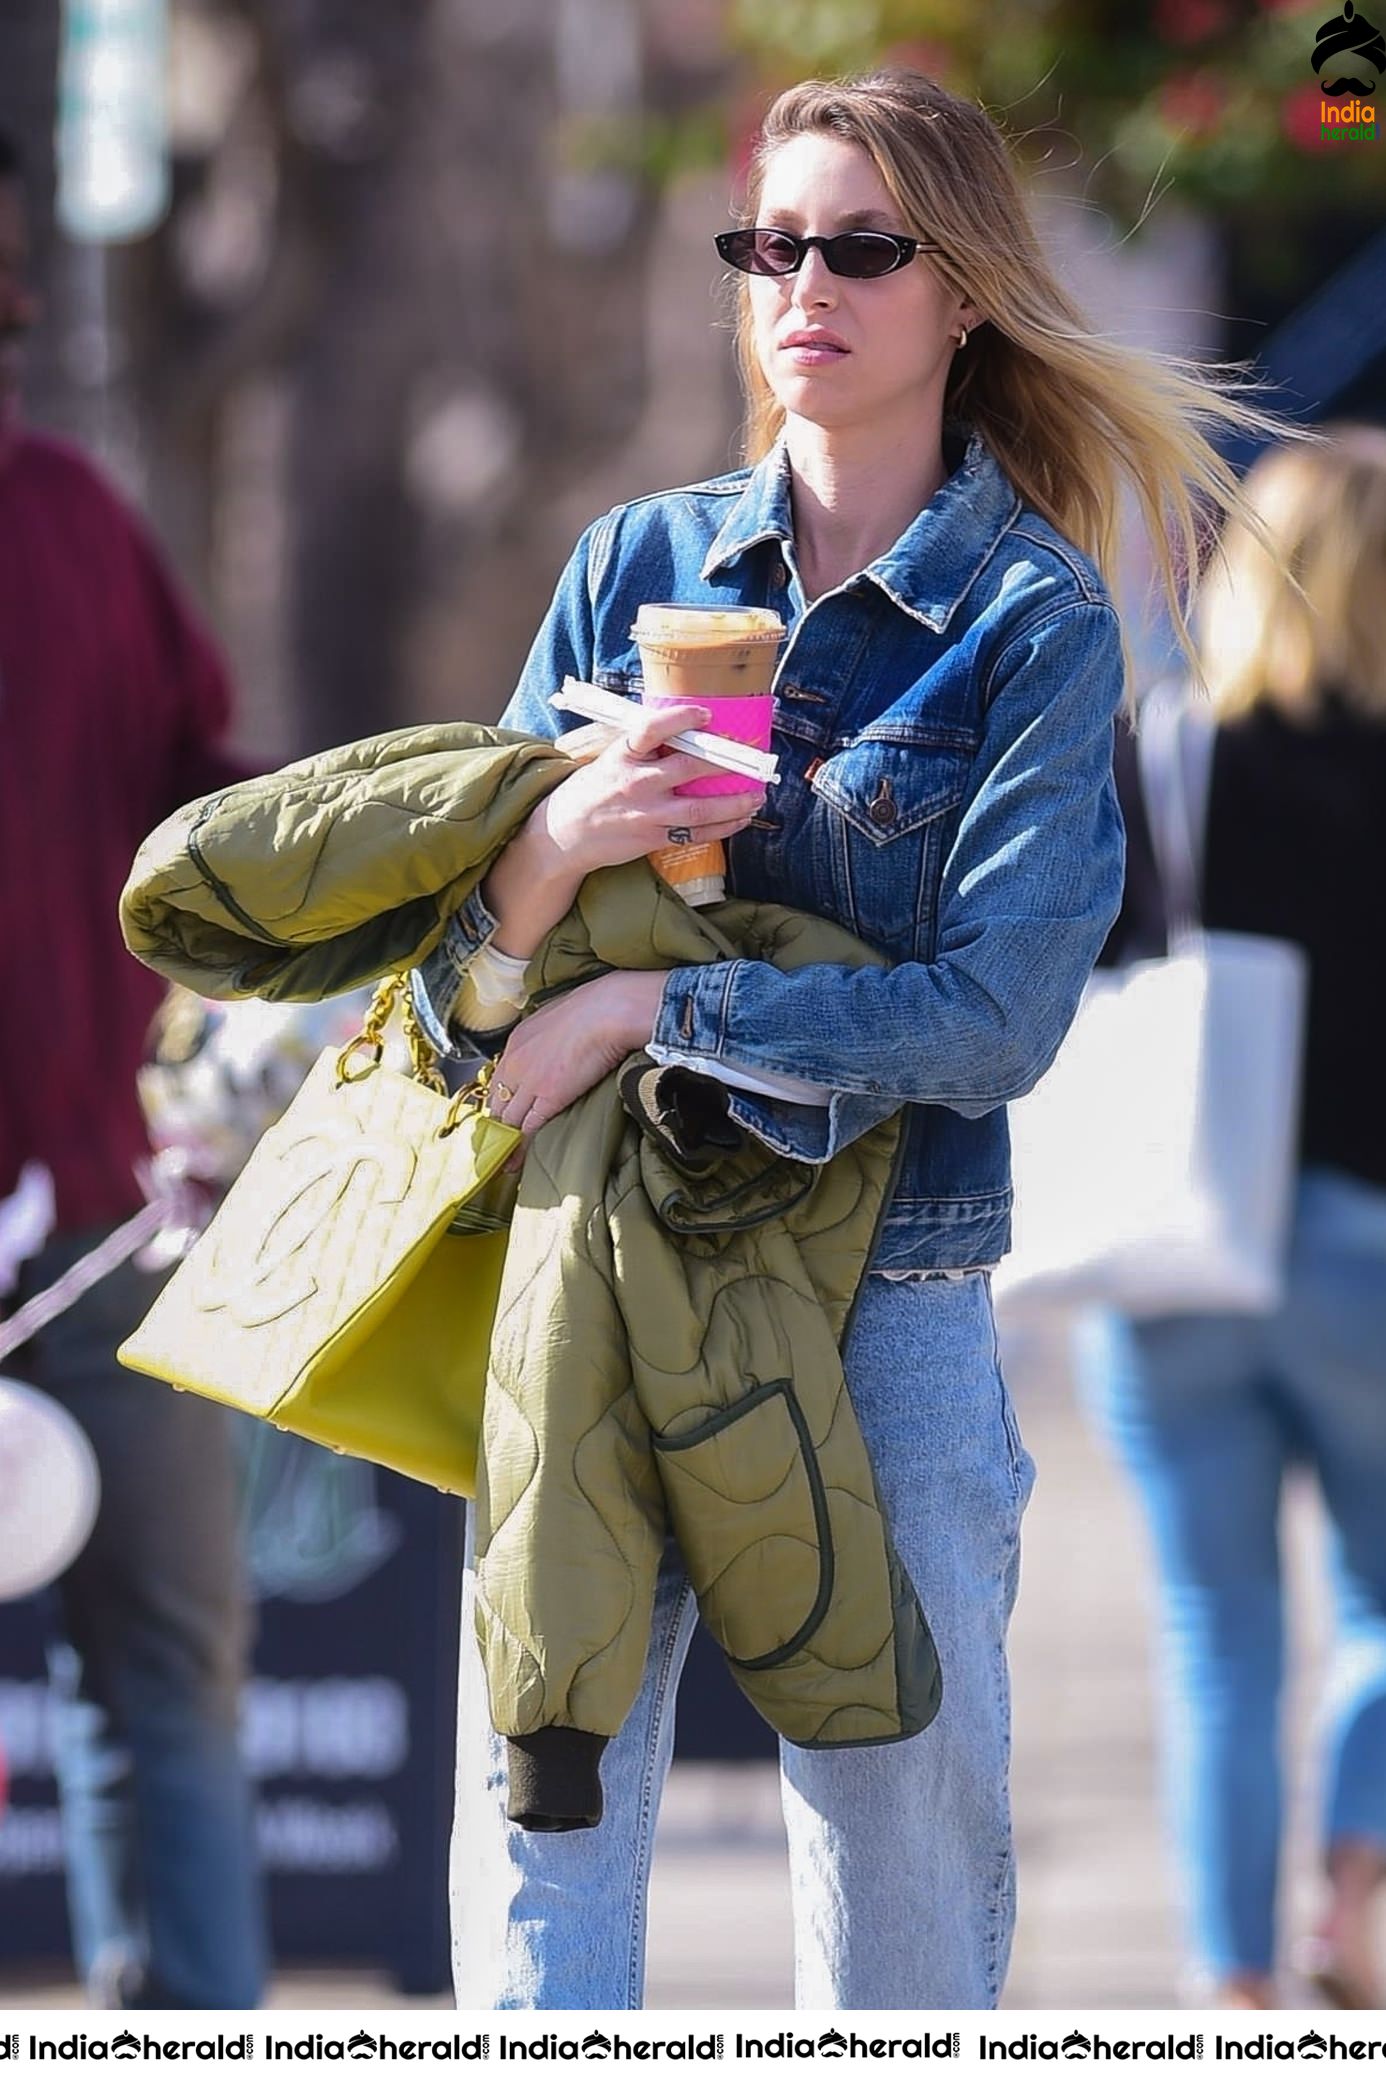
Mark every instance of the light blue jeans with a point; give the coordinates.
(164, 1891)
(900, 1856)
(1208, 1412)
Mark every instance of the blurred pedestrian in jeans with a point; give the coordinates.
(111, 707)
(1211, 1412)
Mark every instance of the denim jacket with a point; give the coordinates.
(944, 725)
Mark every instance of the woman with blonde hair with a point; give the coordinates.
(937, 441)
(1212, 1413)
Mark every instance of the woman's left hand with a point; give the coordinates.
(562, 1050)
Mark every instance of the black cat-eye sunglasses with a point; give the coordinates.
(860, 255)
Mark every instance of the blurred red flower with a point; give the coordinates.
(1190, 21)
(1193, 101)
(1300, 114)
(935, 59)
(744, 121)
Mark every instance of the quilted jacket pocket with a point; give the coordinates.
(746, 1498)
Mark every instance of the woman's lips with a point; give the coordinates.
(807, 351)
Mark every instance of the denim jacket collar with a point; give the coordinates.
(928, 571)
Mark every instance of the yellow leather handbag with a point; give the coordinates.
(346, 1287)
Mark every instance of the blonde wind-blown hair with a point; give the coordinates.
(1070, 415)
(1297, 612)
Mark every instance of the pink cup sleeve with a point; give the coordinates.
(747, 717)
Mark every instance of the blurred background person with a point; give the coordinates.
(112, 708)
(1210, 1413)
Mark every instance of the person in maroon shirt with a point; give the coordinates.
(112, 709)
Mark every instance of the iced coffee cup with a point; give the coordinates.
(723, 658)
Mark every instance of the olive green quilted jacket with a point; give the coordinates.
(666, 1351)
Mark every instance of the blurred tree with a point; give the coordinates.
(393, 343)
(1216, 96)
(29, 33)
(29, 67)
(405, 329)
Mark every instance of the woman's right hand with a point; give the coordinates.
(621, 804)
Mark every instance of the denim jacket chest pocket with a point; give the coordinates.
(884, 814)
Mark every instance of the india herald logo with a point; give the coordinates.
(308, 1181)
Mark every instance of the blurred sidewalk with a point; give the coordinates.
(1096, 1925)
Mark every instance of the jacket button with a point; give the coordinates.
(882, 809)
(778, 574)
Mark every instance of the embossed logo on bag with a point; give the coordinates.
(304, 1186)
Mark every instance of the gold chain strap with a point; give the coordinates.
(423, 1056)
(370, 1040)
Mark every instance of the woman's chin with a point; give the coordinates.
(811, 401)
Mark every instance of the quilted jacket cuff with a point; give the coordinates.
(555, 1784)
(684, 1112)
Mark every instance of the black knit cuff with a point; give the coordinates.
(555, 1785)
(682, 1110)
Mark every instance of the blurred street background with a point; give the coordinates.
(370, 309)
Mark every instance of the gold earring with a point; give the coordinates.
(962, 336)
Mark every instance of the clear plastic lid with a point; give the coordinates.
(664, 620)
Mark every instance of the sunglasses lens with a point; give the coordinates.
(773, 252)
(759, 252)
(862, 254)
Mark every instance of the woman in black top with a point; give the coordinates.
(1210, 1412)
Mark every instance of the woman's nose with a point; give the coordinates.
(815, 282)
